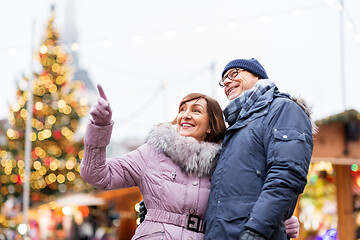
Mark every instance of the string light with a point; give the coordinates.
(15, 107)
(137, 207)
(81, 154)
(53, 165)
(51, 119)
(70, 176)
(23, 113)
(42, 171)
(70, 164)
(56, 68)
(23, 228)
(10, 133)
(21, 164)
(74, 47)
(61, 103)
(52, 177)
(37, 165)
(67, 210)
(354, 167)
(39, 106)
(60, 178)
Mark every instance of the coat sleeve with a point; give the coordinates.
(109, 173)
(288, 147)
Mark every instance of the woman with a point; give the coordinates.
(172, 169)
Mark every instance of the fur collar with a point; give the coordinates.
(192, 156)
(307, 108)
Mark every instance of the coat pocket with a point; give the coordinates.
(289, 159)
(289, 145)
(289, 135)
(235, 208)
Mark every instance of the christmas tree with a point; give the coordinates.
(56, 154)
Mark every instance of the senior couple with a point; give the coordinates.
(201, 180)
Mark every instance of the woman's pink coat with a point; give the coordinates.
(171, 171)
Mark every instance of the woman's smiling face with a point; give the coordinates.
(193, 119)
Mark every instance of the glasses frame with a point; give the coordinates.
(237, 70)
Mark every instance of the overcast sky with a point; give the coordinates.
(149, 54)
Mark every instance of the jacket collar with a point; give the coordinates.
(262, 104)
(264, 100)
(192, 156)
(239, 107)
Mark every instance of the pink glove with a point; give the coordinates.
(101, 112)
(292, 227)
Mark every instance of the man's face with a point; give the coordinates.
(243, 81)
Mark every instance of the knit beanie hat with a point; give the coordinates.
(250, 65)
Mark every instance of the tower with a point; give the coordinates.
(70, 40)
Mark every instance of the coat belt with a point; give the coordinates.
(188, 221)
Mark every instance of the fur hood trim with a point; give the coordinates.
(192, 156)
(307, 109)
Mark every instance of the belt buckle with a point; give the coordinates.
(193, 222)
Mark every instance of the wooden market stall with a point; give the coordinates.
(124, 201)
(337, 142)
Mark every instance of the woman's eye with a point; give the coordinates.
(182, 109)
(196, 110)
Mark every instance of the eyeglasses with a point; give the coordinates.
(231, 75)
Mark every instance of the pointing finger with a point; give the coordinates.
(102, 103)
(101, 92)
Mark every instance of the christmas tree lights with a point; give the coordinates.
(55, 154)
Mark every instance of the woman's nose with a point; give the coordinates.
(187, 115)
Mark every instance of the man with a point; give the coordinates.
(264, 159)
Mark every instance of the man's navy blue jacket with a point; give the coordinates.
(262, 169)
